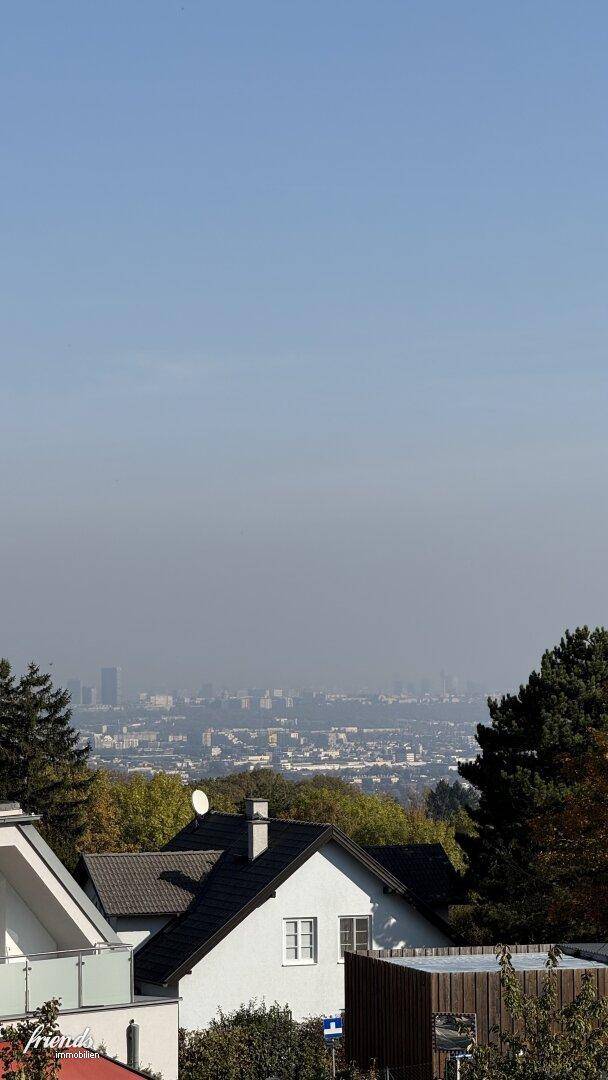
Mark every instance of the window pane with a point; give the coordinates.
(299, 939)
(361, 935)
(346, 935)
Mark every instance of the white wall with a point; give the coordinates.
(134, 931)
(53, 905)
(25, 934)
(158, 1026)
(248, 963)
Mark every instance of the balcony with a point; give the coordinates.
(81, 978)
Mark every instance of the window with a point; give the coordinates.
(355, 934)
(300, 941)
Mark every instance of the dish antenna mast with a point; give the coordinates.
(200, 803)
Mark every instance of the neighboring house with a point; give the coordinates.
(426, 870)
(55, 943)
(271, 914)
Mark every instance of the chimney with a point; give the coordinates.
(256, 812)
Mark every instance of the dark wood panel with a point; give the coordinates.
(389, 1008)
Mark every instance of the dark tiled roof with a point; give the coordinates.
(236, 886)
(148, 882)
(423, 868)
(225, 896)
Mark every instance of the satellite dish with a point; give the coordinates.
(200, 802)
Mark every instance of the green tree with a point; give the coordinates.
(546, 1042)
(257, 1042)
(151, 810)
(35, 1062)
(228, 793)
(142, 814)
(368, 819)
(41, 764)
(105, 825)
(522, 774)
(445, 801)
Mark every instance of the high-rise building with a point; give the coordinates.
(89, 695)
(206, 691)
(74, 689)
(111, 686)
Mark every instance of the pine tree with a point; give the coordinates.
(41, 764)
(445, 801)
(524, 771)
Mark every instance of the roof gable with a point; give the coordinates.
(424, 868)
(61, 905)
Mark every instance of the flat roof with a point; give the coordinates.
(488, 962)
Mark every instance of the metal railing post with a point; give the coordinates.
(79, 965)
(27, 987)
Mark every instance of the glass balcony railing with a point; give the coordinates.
(80, 978)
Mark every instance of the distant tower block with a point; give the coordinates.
(111, 686)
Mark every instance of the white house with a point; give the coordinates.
(259, 909)
(55, 943)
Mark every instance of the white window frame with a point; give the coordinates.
(306, 961)
(353, 919)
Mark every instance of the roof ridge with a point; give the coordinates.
(162, 851)
(241, 817)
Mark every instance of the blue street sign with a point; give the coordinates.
(332, 1027)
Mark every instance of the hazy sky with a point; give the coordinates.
(304, 329)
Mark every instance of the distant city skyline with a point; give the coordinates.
(110, 687)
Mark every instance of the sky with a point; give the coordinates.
(303, 337)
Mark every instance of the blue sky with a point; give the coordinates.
(303, 336)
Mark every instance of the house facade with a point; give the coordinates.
(54, 943)
(277, 906)
(291, 948)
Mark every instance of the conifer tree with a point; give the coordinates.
(524, 773)
(41, 764)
